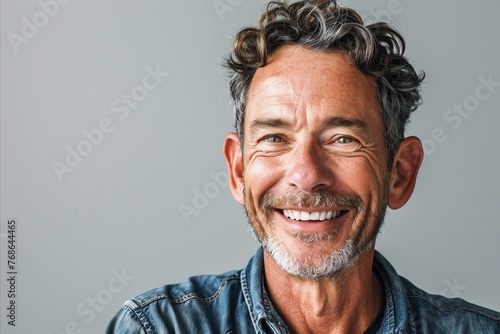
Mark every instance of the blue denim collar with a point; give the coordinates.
(397, 315)
(262, 312)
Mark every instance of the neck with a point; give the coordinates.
(348, 303)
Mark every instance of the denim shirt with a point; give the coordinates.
(235, 302)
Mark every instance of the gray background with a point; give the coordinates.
(119, 209)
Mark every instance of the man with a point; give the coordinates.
(319, 153)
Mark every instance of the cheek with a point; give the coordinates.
(361, 174)
(262, 173)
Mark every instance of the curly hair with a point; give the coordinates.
(322, 25)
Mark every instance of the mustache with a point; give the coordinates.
(316, 199)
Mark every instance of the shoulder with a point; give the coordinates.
(411, 309)
(203, 288)
(433, 312)
(194, 303)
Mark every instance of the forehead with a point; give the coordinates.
(303, 83)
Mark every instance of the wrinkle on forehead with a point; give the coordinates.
(297, 78)
(309, 62)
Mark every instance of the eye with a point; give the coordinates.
(273, 139)
(344, 140)
(344, 143)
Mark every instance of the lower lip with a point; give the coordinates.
(314, 225)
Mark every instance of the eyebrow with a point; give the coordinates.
(352, 123)
(268, 123)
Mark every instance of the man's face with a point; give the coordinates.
(315, 175)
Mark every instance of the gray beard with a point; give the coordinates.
(328, 265)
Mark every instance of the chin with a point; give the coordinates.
(310, 265)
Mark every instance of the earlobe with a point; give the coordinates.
(234, 161)
(407, 161)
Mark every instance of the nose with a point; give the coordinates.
(308, 168)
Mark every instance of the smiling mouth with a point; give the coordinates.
(317, 216)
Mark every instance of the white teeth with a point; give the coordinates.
(292, 214)
(314, 215)
(304, 215)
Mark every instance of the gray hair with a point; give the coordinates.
(376, 50)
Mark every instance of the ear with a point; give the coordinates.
(407, 161)
(234, 161)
